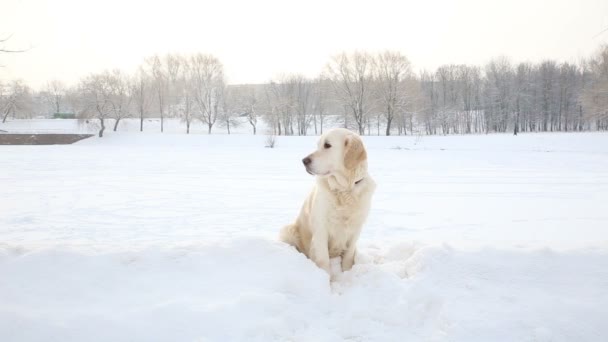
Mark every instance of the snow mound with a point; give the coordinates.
(253, 289)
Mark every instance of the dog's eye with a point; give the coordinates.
(327, 145)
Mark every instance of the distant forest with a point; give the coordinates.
(370, 93)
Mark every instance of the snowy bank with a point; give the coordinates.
(260, 290)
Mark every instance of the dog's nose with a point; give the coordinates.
(306, 161)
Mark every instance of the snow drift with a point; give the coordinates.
(260, 290)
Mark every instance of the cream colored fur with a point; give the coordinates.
(333, 214)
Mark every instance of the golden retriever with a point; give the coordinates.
(333, 214)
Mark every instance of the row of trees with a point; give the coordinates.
(371, 93)
(190, 87)
(525, 97)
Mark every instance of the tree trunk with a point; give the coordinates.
(160, 107)
(187, 127)
(516, 123)
(411, 125)
(116, 124)
(103, 128)
(360, 124)
(388, 125)
(580, 117)
(210, 125)
(5, 115)
(141, 121)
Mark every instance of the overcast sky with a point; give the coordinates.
(257, 40)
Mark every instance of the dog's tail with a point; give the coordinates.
(289, 234)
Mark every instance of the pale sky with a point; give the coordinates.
(260, 39)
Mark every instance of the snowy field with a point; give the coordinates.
(150, 237)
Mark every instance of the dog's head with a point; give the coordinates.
(338, 151)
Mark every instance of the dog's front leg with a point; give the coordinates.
(348, 259)
(319, 250)
(348, 256)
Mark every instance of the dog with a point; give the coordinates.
(331, 219)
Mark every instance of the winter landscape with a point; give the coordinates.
(174, 237)
(150, 153)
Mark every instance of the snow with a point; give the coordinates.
(150, 237)
(171, 125)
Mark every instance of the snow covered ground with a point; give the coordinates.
(149, 237)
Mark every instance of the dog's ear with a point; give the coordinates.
(354, 152)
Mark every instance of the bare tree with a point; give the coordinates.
(55, 91)
(207, 76)
(186, 109)
(584, 84)
(391, 69)
(428, 86)
(159, 77)
(414, 106)
(141, 89)
(280, 105)
(229, 111)
(119, 97)
(184, 92)
(95, 92)
(249, 104)
(498, 94)
(320, 103)
(568, 94)
(548, 73)
(15, 99)
(304, 101)
(468, 79)
(595, 96)
(448, 98)
(523, 76)
(242, 101)
(351, 76)
(173, 63)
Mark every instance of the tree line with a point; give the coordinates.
(371, 93)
